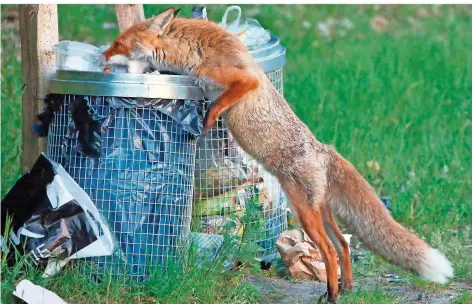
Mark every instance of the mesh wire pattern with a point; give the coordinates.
(233, 193)
(142, 183)
(276, 78)
(125, 190)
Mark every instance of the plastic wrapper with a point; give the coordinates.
(208, 246)
(52, 217)
(248, 30)
(232, 201)
(122, 64)
(78, 56)
(218, 224)
(143, 180)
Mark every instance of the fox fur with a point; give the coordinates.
(317, 180)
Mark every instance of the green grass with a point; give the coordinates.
(465, 298)
(400, 97)
(368, 297)
(191, 279)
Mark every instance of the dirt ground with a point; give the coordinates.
(284, 291)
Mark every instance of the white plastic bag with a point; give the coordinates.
(78, 56)
(249, 31)
(62, 190)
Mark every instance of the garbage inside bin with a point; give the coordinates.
(79, 56)
(53, 217)
(248, 210)
(122, 64)
(224, 180)
(248, 30)
(226, 183)
(220, 167)
(232, 201)
(217, 224)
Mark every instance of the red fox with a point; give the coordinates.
(316, 179)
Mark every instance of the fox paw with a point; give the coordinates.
(325, 298)
(209, 121)
(344, 288)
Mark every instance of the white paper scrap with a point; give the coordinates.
(35, 294)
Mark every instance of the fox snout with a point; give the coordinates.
(117, 48)
(108, 53)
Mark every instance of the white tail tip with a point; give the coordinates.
(437, 267)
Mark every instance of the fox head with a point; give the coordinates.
(142, 40)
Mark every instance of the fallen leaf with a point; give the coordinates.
(379, 23)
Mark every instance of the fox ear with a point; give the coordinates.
(176, 12)
(159, 22)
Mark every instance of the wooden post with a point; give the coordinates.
(38, 35)
(128, 15)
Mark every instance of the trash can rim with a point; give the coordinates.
(125, 77)
(125, 85)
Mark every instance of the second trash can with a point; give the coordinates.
(129, 141)
(233, 193)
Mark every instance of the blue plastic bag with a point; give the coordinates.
(143, 180)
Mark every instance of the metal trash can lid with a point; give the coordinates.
(270, 56)
(125, 85)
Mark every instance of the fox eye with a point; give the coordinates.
(117, 43)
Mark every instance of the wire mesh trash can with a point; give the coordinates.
(144, 129)
(233, 193)
(271, 58)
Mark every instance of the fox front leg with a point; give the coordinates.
(238, 82)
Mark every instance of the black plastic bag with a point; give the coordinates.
(52, 217)
(54, 103)
(88, 126)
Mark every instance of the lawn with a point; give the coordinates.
(388, 86)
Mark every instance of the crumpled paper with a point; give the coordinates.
(301, 256)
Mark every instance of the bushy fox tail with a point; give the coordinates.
(355, 202)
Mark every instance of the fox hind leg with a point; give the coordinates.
(310, 217)
(342, 248)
